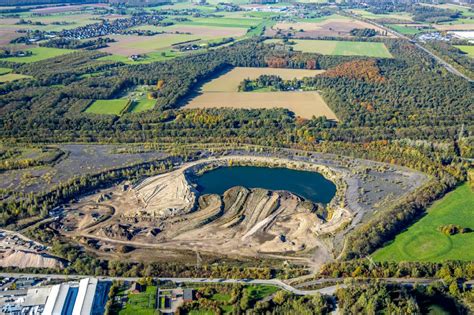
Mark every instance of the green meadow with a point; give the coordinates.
(39, 53)
(424, 242)
(467, 49)
(342, 48)
(107, 107)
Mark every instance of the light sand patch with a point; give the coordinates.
(229, 82)
(303, 104)
(24, 259)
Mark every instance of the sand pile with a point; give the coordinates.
(166, 195)
(22, 259)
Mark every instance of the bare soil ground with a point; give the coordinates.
(128, 45)
(6, 35)
(78, 159)
(221, 92)
(241, 222)
(303, 104)
(230, 80)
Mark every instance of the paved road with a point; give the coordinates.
(329, 290)
(447, 65)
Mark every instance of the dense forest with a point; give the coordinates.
(406, 97)
(405, 110)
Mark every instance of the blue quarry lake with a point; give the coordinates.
(309, 185)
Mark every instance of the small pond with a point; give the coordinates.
(309, 185)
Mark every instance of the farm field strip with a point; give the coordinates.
(9, 77)
(424, 242)
(467, 49)
(142, 105)
(455, 26)
(39, 53)
(303, 104)
(200, 30)
(342, 48)
(369, 15)
(408, 30)
(107, 107)
(223, 92)
(127, 45)
(229, 81)
(224, 22)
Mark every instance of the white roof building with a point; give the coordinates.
(85, 297)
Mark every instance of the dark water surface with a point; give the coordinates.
(309, 185)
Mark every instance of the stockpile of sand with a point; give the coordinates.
(166, 194)
(22, 259)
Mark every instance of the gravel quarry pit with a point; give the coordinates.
(166, 213)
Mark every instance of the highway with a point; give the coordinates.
(447, 65)
(329, 290)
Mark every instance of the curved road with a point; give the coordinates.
(329, 290)
(447, 65)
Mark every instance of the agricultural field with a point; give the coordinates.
(38, 53)
(230, 80)
(142, 105)
(303, 104)
(423, 241)
(128, 45)
(199, 30)
(224, 22)
(407, 29)
(9, 77)
(467, 49)
(223, 92)
(108, 107)
(5, 70)
(334, 25)
(369, 15)
(342, 48)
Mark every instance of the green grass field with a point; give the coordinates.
(369, 15)
(5, 70)
(423, 242)
(39, 53)
(142, 105)
(107, 107)
(141, 303)
(150, 57)
(467, 49)
(258, 292)
(407, 30)
(9, 77)
(343, 48)
(224, 22)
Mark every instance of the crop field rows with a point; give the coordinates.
(222, 92)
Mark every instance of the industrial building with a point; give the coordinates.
(86, 297)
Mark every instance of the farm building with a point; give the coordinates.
(137, 288)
